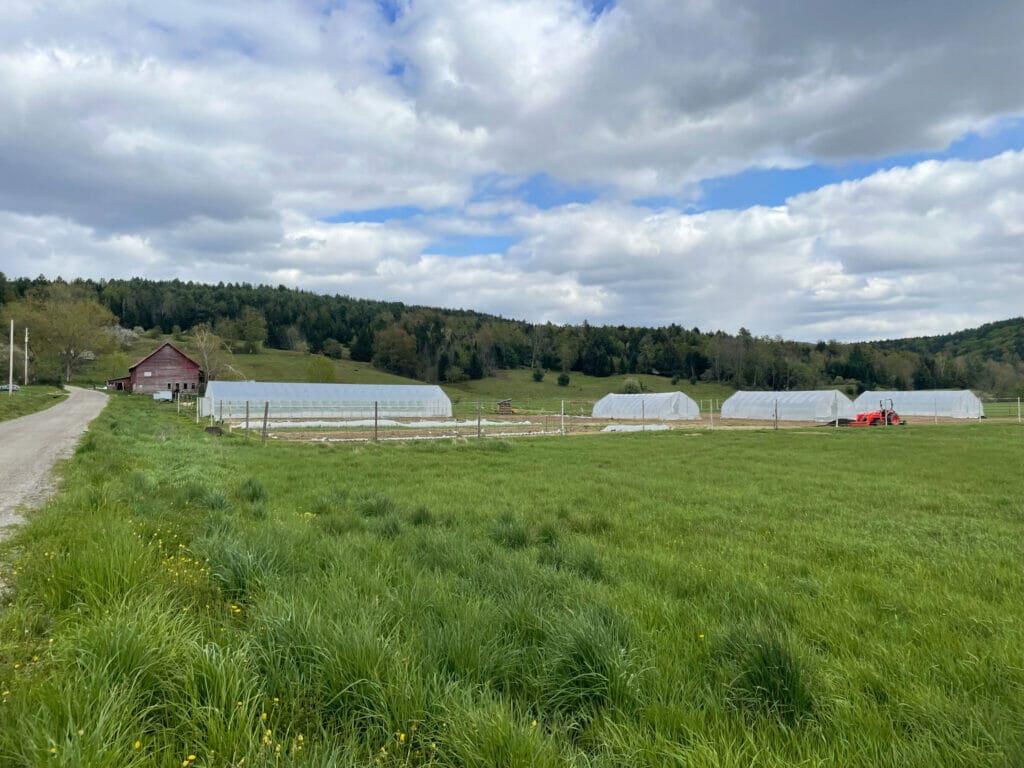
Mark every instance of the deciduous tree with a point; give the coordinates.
(68, 327)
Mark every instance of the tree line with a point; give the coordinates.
(448, 346)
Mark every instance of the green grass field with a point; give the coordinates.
(800, 597)
(29, 400)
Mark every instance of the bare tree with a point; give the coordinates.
(212, 352)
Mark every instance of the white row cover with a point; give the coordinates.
(665, 406)
(227, 400)
(813, 405)
(951, 403)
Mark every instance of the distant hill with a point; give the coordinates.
(1001, 341)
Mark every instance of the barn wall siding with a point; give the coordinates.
(166, 370)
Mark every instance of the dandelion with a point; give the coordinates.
(191, 758)
(299, 738)
(533, 724)
(81, 732)
(263, 716)
(700, 636)
(401, 738)
(137, 745)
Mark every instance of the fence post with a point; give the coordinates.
(776, 413)
(1018, 410)
(247, 421)
(478, 419)
(643, 417)
(375, 416)
(562, 427)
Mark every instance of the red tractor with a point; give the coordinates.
(882, 417)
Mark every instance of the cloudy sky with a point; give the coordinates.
(815, 169)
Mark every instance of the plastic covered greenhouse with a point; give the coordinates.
(665, 406)
(228, 399)
(814, 405)
(947, 403)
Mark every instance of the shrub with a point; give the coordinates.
(563, 379)
(538, 375)
(631, 386)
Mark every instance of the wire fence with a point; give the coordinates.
(1007, 408)
(345, 422)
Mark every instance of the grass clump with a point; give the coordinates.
(510, 532)
(765, 676)
(251, 490)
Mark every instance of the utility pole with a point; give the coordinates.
(10, 358)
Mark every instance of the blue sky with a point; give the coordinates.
(832, 170)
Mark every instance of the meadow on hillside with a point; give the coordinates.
(813, 597)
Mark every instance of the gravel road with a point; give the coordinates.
(30, 446)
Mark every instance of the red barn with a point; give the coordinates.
(168, 369)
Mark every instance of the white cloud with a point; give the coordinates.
(204, 141)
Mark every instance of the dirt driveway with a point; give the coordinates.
(30, 446)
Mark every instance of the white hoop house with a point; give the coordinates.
(662, 406)
(815, 405)
(948, 403)
(227, 400)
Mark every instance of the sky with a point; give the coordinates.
(817, 169)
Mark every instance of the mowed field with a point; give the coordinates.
(29, 400)
(728, 598)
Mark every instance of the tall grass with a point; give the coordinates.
(762, 598)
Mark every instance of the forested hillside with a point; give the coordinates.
(453, 345)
